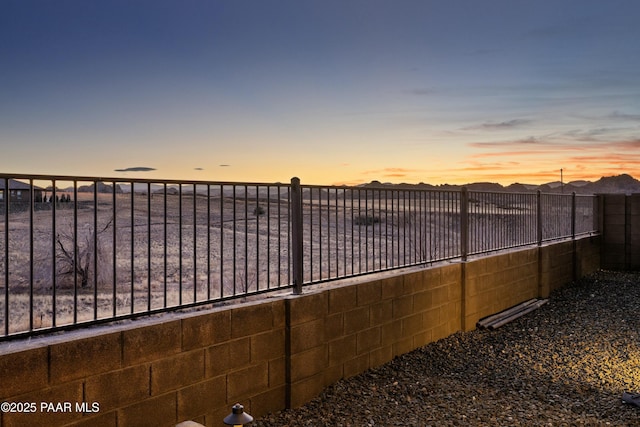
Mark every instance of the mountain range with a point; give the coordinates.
(622, 184)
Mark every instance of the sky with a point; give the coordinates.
(333, 91)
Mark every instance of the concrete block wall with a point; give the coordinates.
(271, 354)
(152, 373)
(342, 331)
(495, 283)
(621, 231)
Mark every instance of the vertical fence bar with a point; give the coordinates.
(165, 248)
(31, 272)
(269, 237)
(132, 212)
(246, 238)
(464, 223)
(95, 253)
(149, 246)
(209, 241)
(195, 244)
(539, 217)
(337, 234)
(180, 243)
(573, 215)
(221, 241)
(7, 193)
(114, 249)
(53, 254)
(75, 252)
(296, 235)
(279, 236)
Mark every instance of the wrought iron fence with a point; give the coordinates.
(82, 250)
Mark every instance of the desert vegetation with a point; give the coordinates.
(110, 253)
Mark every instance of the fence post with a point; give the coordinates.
(539, 216)
(573, 215)
(464, 223)
(296, 235)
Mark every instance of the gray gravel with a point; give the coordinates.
(565, 364)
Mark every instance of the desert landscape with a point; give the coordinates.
(115, 252)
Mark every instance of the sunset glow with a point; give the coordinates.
(333, 92)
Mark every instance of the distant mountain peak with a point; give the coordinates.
(623, 183)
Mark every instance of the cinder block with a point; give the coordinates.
(402, 306)
(268, 345)
(380, 356)
(307, 335)
(475, 268)
(277, 372)
(381, 313)
(356, 366)
(430, 318)
(414, 282)
(68, 392)
(343, 299)
(197, 399)
(356, 320)
(440, 295)
(422, 300)
(153, 342)
(368, 339)
(239, 352)
(251, 319)
(402, 346)
(307, 307)
(431, 277)
(159, 411)
(421, 339)
(32, 375)
(177, 371)
(103, 420)
(309, 363)
(217, 360)
(306, 389)
(412, 325)
(451, 274)
(455, 291)
(391, 332)
(247, 382)
(342, 349)
(206, 330)
(118, 388)
(392, 287)
(472, 287)
(270, 401)
(333, 374)
(279, 314)
(369, 293)
(334, 325)
(84, 357)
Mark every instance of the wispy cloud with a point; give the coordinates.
(135, 169)
(509, 124)
(623, 116)
(391, 172)
(422, 91)
(525, 142)
(578, 152)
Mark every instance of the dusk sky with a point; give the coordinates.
(335, 92)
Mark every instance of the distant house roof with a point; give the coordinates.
(18, 185)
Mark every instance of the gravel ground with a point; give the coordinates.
(565, 364)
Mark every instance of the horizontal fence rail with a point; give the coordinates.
(83, 250)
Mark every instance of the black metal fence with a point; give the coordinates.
(82, 250)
